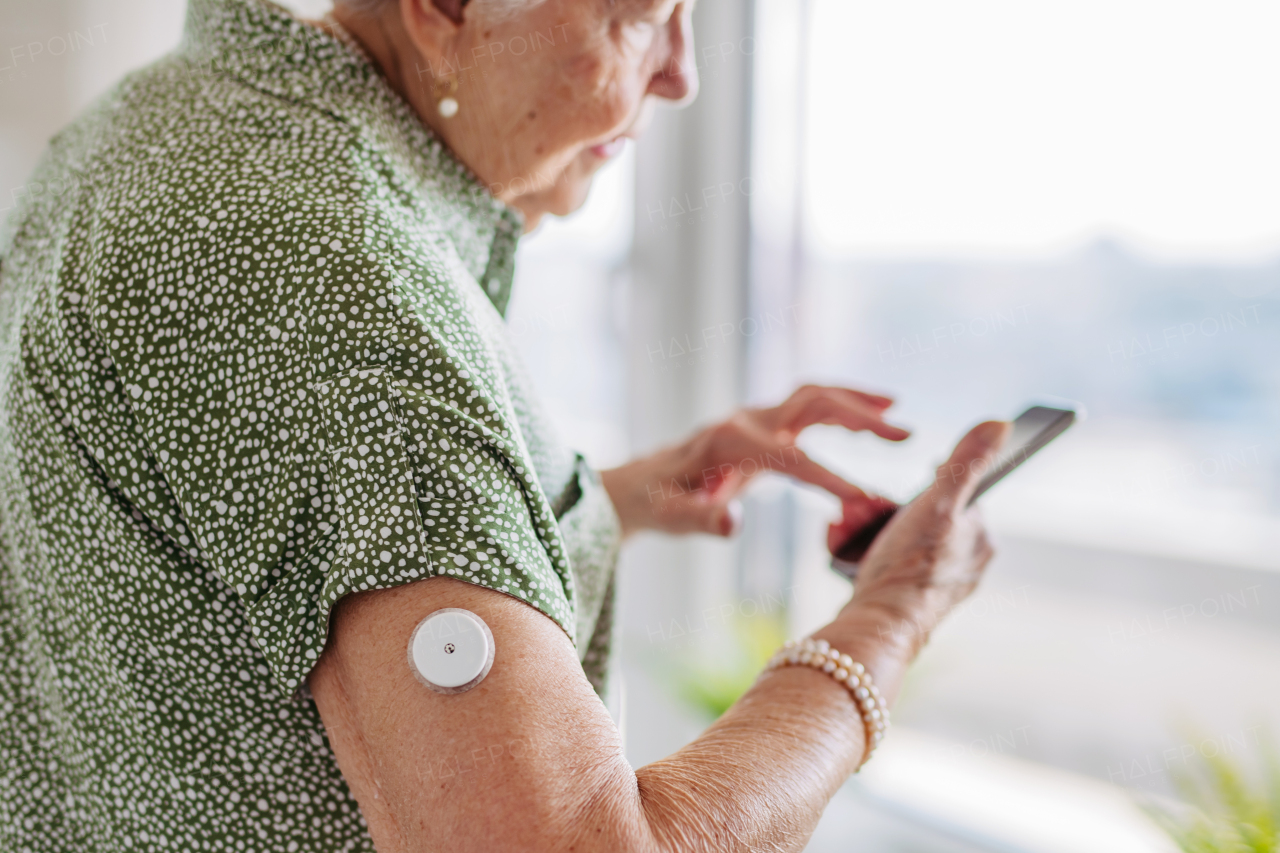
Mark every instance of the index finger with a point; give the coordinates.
(808, 471)
(837, 407)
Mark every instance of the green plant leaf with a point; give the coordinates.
(1227, 812)
(711, 678)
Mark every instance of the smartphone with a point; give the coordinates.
(1032, 430)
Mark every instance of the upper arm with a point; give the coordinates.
(526, 760)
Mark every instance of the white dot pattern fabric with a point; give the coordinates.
(248, 366)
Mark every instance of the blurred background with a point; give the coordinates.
(970, 207)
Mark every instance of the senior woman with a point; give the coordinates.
(259, 417)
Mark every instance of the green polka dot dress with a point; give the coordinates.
(252, 359)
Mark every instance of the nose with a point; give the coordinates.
(677, 77)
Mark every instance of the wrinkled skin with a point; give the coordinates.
(531, 123)
(529, 760)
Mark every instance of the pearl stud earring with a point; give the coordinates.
(446, 103)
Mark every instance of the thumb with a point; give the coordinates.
(973, 457)
(707, 514)
(730, 521)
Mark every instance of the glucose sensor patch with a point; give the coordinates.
(451, 650)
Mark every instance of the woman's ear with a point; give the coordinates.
(432, 26)
(451, 9)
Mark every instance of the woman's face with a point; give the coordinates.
(548, 93)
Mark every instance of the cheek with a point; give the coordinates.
(618, 102)
(601, 94)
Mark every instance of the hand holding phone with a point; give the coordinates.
(1032, 430)
(932, 556)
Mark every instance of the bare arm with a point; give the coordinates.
(530, 760)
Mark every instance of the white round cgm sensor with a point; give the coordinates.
(451, 650)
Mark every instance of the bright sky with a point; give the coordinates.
(1032, 126)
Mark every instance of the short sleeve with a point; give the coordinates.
(317, 393)
(421, 489)
(593, 536)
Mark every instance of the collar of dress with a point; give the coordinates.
(271, 50)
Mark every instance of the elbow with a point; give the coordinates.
(613, 817)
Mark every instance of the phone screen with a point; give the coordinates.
(1032, 430)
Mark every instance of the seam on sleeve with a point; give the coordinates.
(374, 487)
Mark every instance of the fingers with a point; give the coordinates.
(806, 470)
(874, 399)
(816, 404)
(983, 549)
(745, 448)
(857, 514)
(958, 477)
(853, 414)
(742, 440)
(703, 512)
(729, 521)
(877, 400)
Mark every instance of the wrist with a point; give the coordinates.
(619, 484)
(906, 613)
(878, 640)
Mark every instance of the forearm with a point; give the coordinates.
(529, 760)
(760, 777)
(557, 778)
(638, 493)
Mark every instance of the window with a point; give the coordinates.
(999, 202)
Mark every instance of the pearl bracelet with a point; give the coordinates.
(844, 669)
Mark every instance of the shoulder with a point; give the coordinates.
(181, 138)
(228, 217)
